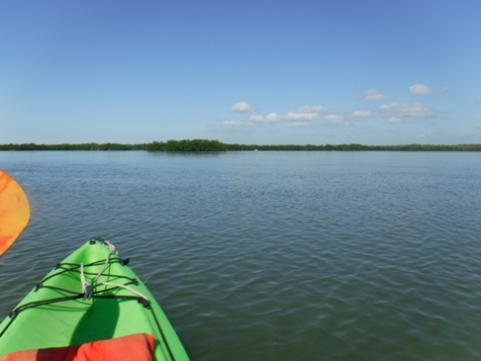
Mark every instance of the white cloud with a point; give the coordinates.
(298, 124)
(373, 94)
(313, 108)
(272, 117)
(299, 115)
(361, 113)
(256, 118)
(395, 120)
(241, 107)
(305, 116)
(334, 118)
(306, 113)
(423, 89)
(231, 123)
(397, 112)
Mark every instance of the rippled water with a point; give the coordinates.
(274, 255)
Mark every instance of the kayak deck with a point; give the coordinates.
(92, 295)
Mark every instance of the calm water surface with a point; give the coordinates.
(274, 255)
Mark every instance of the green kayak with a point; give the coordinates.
(91, 301)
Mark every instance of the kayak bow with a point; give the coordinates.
(92, 296)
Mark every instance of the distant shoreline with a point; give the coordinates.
(204, 145)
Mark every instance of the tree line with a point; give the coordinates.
(66, 146)
(205, 145)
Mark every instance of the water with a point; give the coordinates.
(274, 255)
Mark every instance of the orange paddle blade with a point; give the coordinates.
(14, 211)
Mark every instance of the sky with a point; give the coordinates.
(373, 72)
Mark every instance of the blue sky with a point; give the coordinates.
(251, 71)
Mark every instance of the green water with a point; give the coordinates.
(274, 255)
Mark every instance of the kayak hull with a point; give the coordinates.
(59, 311)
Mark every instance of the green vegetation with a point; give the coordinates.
(194, 145)
(359, 147)
(204, 145)
(82, 146)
